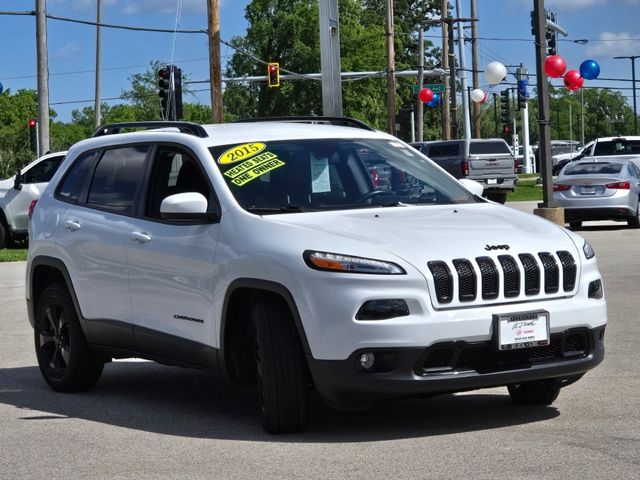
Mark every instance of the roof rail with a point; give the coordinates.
(183, 127)
(339, 121)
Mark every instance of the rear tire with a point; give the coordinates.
(539, 392)
(497, 197)
(634, 222)
(575, 224)
(3, 235)
(65, 359)
(280, 368)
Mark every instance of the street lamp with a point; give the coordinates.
(633, 84)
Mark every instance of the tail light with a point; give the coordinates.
(375, 177)
(32, 207)
(619, 185)
(558, 187)
(465, 168)
(516, 166)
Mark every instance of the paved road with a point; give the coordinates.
(148, 421)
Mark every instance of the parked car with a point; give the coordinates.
(521, 160)
(599, 190)
(561, 159)
(487, 161)
(272, 257)
(17, 193)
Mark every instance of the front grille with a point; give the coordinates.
(526, 273)
(484, 357)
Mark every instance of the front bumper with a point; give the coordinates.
(413, 372)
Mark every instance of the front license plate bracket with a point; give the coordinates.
(521, 330)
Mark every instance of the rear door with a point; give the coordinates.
(490, 161)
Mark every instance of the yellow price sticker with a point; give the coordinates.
(240, 152)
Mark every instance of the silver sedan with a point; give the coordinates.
(599, 190)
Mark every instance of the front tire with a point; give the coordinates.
(4, 234)
(280, 368)
(65, 359)
(539, 392)
(497, 197)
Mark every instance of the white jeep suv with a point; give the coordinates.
(302, 254)
(17, 193)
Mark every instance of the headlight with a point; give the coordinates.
(334, 262)
(588, 250)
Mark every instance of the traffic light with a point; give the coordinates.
(273, 74)
(177, 92)
(522, 94)
(505, 109)
(551, 35)
(164, 83)
(33, 134)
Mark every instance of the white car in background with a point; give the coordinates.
(17, 193)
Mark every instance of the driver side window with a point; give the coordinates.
(43, 171)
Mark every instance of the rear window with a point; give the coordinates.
(600, 168)
(619, 146)
(487, 148)
(447, 150)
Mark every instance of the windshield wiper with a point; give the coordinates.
(283, 209)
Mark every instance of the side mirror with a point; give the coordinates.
(186, 206)
(473, 186)
(17, 182)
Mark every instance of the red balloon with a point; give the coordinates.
(573, 80)
(554, 66)
(425, 95)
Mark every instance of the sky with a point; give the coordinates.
(612, 28)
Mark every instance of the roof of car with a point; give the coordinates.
(619, 137)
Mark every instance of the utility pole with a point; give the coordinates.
(463, 75)
(446, 121)
(97, 105)
(420, 106)
(391, 67)
(633, 85)
(43, 75)
(452, 81)
(474, 66)
(215, 69)
(548, 208)
(330, 58)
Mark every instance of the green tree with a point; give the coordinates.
(15, 111)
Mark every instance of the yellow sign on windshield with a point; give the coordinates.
(240, 152)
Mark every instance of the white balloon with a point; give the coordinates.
(495, 72)
(478, 95)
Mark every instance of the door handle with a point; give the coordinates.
(140, 237)
(72, 225)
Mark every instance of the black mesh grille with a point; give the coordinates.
(568, 270)
(442, 280)
(485, 357)
(466, 280)
(531, 274)
(551, 272)
(489, 275)
(511, 275)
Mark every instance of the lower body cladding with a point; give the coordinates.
(621, 212)
(375, 374)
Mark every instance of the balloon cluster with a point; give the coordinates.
(555, 66)
(427, 96)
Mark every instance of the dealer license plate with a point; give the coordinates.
(492, 181)
(522, 330)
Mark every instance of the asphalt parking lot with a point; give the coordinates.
(145, 420)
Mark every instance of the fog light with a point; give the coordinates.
(382, 309)
(367, 360)
(595, 289)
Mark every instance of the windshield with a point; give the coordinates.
(618, 146)
(329, 174)
(602, 168)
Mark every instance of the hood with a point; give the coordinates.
(419, 234)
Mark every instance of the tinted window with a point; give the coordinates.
(117, 177)
(43, 171)
(487, 148)
(77, 178)
(445, 150)
(601, 168)
(618, 146)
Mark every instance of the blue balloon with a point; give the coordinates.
(589, 69)
(434, 101)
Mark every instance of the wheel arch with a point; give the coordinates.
(236, 315)
(44, 271)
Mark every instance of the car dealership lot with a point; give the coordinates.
(149, 421)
